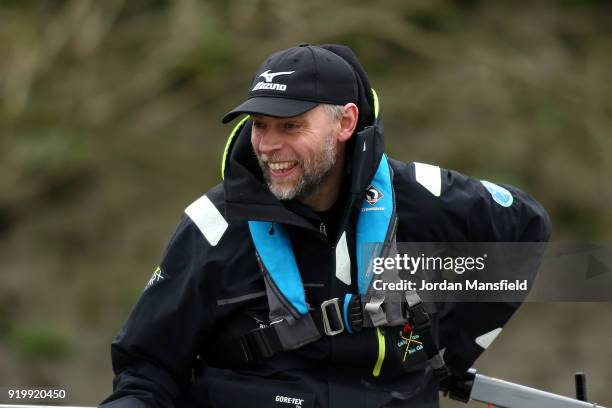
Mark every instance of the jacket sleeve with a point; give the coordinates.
(485, 212)
(154, 353)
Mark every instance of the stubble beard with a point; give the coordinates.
(315, 170)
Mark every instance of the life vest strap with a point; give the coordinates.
(414, 314)
(282, 335)
(374, 309)
(421, 324)
(232, 352)
(263, 343)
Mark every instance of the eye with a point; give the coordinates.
(291, 125)
(257, 124)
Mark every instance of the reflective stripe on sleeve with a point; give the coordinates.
(486, 339)
(208, 219)
(429, 177)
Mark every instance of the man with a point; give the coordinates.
(260, 299)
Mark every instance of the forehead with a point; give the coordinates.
(313, 114)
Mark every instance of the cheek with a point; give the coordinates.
(307, 147)
(254, 143)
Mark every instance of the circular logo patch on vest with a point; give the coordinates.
(372, 195)
(501, 196)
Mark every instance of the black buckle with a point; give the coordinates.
(255, 345)
(336, 317)
(355, 313)
(419, 318)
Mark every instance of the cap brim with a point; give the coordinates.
(270, 106)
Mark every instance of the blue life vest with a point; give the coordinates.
(375, 236)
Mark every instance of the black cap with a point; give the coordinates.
(293, 81)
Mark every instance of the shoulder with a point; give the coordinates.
(206, 246)
(452, 206)
(418, 187)
(204, 230)
(206, 215)
(431, 185)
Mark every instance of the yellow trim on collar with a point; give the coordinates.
(376, 106)
(229, 142)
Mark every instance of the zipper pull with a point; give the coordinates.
(323, 229)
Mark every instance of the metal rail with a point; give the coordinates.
(506, 394)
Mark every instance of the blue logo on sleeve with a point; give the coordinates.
(501, 196)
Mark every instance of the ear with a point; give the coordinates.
(348, 122)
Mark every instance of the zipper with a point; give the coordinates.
(345, 213)
(323, 228)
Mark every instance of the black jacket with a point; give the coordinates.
(209, 287)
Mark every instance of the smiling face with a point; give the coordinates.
(297, 154)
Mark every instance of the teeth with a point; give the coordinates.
(278, 166)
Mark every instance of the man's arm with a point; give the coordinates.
(438, 205)
(492, 213)
(154, 352)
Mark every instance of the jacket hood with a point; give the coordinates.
(247, 196)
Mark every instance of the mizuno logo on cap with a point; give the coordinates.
(269, 76)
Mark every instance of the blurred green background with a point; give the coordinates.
(110, 125)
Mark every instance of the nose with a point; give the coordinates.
(268, 141)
